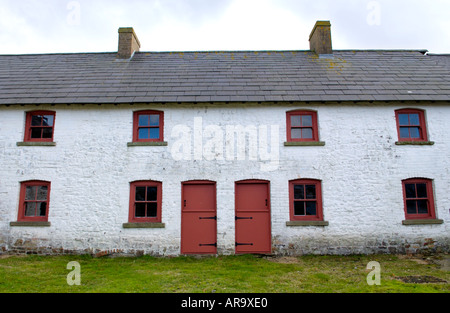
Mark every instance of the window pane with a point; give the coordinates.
(414, 119)
(30, 193)
(154, 133)
(295, 120)
(422, 207)
(404, 132)
(306, 120)
(143, 133)
(42, 192)
(414, 132)
(30, 209)
(36, 120)
(410, 190)
(151, 193)
(47, 132)
(310, 208)
(143, 120)
(140, 210)
(42, 208)
(154, 120)
(151, 209)
(403, 119)
(48, 120)
(421, 190)
(307, 133)
(36, 132)
(411, 207)
(310, 192)
(299, 192)
(140, 194)
(296, 133)
(299, 208)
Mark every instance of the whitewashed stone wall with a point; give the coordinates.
(91, 166)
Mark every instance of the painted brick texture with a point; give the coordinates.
(91, 167)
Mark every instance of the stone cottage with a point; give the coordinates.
(225, 152)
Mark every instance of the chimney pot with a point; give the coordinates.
(128, 43)
(320, 38)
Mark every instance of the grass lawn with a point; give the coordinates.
(222, 274)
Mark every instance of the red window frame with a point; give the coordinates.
(30, 196)
(137, 126)
(415, 198)
(419, 123)
(145, 202)
(31, 128)
(303, 126)
(303, 201)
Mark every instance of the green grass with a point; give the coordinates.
(223, 274)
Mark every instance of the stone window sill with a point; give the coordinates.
(416, 143)
(422, 222)
(144, 225)
(147, 143)
(306, 223)
(36, 144)
(30, 224)
(303, 143)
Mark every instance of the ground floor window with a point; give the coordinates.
(34, 201)
(145, 201)
(305, 200)
(418, 198)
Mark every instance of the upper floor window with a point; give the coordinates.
(34, 201)
(302, 126)
(39, 126)
(305, 200)
(148, 126)
(418, 198)
(411, 125)
(145, 201)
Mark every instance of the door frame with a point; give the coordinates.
(197, 182)
(269, 212)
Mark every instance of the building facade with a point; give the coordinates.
(272, 152)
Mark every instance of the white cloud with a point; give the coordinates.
(50, 26)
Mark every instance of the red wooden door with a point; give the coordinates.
(198, 218)
(252, 217)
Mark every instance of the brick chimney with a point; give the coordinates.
(320, 38)
(128, 43)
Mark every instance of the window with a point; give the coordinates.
(305, 200)
(148, 126)
(145, 202)
(418, 198)
(34, 201)
(411, 125)
(39, 126)
(302, 126)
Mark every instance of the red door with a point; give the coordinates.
(198, 217)
(252, 217)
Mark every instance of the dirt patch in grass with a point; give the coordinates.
(283, 259)
(422, 279)
(442, 260)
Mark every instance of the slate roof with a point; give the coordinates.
(241, 76)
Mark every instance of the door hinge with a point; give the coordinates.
(207, 218)
(243, 218)
(208, 244)
(242, 244)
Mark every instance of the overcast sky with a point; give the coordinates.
(55, 26)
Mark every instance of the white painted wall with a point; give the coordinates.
(91, 166)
